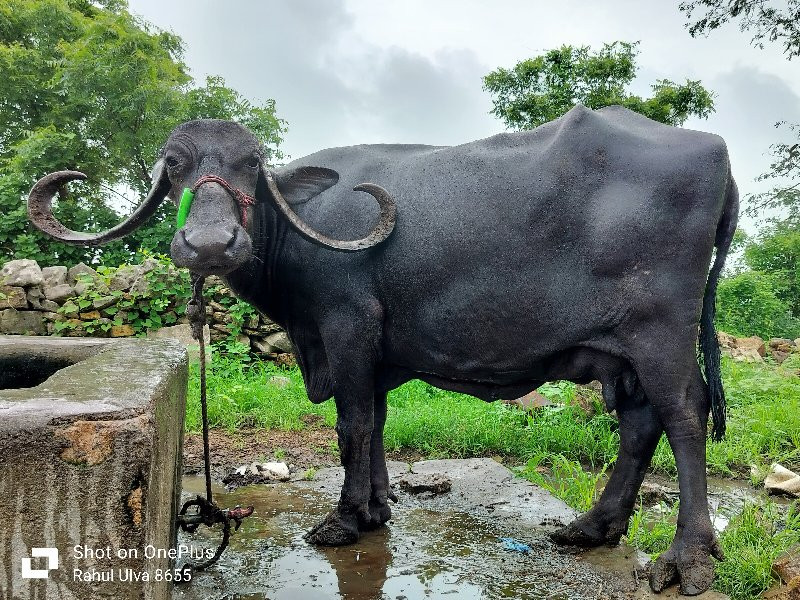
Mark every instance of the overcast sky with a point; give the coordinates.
(358, 71)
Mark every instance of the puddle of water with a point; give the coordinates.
(424, 553)
(726, 498)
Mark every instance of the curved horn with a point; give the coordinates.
(40, 210)
(382, 230)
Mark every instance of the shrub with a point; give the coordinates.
(748, 304)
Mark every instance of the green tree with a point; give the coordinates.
(543, 88)
(768, 20)
(748, 304)
(90, 87)
(763, 298)
(776, 251)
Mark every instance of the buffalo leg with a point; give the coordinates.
(379, 476)
(352, 372)
(639, 431)
(682, 405)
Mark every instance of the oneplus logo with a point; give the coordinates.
(52, 563)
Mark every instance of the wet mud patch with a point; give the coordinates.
(436, 546)
(311, 447)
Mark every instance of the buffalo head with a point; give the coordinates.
(221, 165)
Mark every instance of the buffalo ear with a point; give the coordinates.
(304, 183)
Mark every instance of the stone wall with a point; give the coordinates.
(42, 301)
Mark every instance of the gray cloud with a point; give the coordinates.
(354, 71)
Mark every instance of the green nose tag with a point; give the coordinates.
(185, 205)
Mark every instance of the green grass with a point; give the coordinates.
(754, 538)
(763, 419)
(752, 542)
(565, 479)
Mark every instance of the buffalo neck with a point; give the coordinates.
(263, 280)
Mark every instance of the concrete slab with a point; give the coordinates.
(90, 459)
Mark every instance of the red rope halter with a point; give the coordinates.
(241, 198)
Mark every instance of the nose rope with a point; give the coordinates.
(241, 198)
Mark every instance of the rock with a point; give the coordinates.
(778, 356)
(780, 348)
(92, 315)
(147, 265)
(257, 473)
(183, 334)
(70, 309)
(252, 322)
(22, 322)
(726, 340)
(217, 307)
(530, 401)
(285, 359)
(13, 297)
(280, 381)
(782, 344)
(123, 278)
(75, 273)
(790, 591)
(653, 493)
(140, 286)
(49, 306)
(787, 566)
(59, 293)
(104, 302)
(97, 285)
(21, 273)
(121, 331)
(53, 276)
(76, 328)
(418, 483)
(275, 470)
(34, 297)
(259, 345)
(750, 349)
(585, 399)
(280, 341)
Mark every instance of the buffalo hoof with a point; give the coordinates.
(334, 530)
(589, 531)
(689, 565)
(379, 513)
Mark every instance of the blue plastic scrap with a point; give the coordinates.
(515, 546)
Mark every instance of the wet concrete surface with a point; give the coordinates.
(444, 546)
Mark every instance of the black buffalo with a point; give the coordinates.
(579, 250)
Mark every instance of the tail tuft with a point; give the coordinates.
(709, 354)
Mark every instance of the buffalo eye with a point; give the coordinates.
(252, 162)
(172, 162)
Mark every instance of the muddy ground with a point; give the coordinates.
(313, 447)
(447, 545)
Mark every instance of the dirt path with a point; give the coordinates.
(313, 447)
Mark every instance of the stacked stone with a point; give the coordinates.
(260, 333)
(30, 297)
(754, 349)
(48, 289)
(24, 307)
